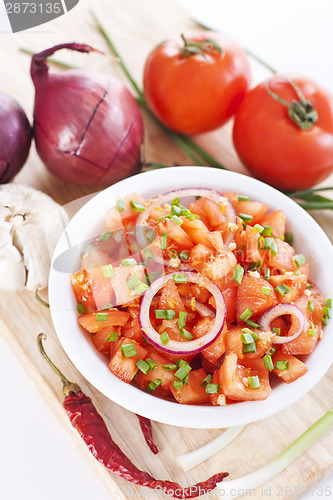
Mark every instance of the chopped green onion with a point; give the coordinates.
(187, 335)
(249, 348)
(268, 362)
(128, 262)
(184, 255)
(282, 365)
(137, 206)
(272, 351)
(176, 210)
(252, 323)
(258, 228)
(247, 338)
(108, 271)
(182, 319)
(271, 244)
(148, 254)
(192, 217)
(246, 217)
(164, 338)
(255, 336)
(186, 379)
(185, 212)
(311, 305)
(254, 382)
(309, 286)
(169, 367)
(327, 312)
(255, 266)
(212, 388)
(267, 274)
(243, 198)
(324, 320)
(107, 305)
(141, 288)
(289, 238)
(265, 290)
(151, 363)
(112, 337)
(133, 282)
(120, 205)
(297, 272)
(153, 385)
(173, 254)
(207, 380)
(80, 308)
(182, 371)
(238, 274)
(261, 242)
(267, 230)
(164, 241)
(142, 366)
(299, 260)
(128, 350)
(240, 249)
(105, 236)
(150, 236)
(277, 331)
(329, 303)
(246, 314)
(177, 220)
(283, 289)
(165, 314)
(179, 278)
(178, 384)
(102, 316)
(312, 332)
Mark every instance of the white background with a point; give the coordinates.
(43, 463)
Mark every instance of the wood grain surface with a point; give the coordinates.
(137, 26)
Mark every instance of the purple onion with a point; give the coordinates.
(15, 137)
(88, 127)
(281, 310)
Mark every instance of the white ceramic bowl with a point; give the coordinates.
(309, 240)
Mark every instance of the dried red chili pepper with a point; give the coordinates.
(91, 427)
(147, 431)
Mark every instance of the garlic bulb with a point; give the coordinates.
(30, 225)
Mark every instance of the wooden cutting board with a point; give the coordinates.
(136, 27)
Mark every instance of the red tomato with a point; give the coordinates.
(273, 147)
(192, 92)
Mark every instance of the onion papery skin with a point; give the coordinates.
(173, 346)
(281, 310)
(88, 127)
(15, 137)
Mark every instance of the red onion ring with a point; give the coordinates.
(280, 310)
(203, 310)
(174, 346)
(212, 195)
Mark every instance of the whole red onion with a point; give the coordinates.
(88, 127)
(15, 137)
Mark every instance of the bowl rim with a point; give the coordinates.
(91, 365)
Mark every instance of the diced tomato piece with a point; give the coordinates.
(209, 212)
(296, 368)
(219, 398)
(254, 364)
(250, 296)
(201, 253)
(193, 393)
(221, 267)
(125, 368)
(132, 330)
(82, 290)
(234, 343)
(254, 208)
(215, 350)
(296, 282)
(283, 260)
(200, 293)
(143, 380)
(252, 251)
(170, 326)
(175, 233)
(170, 298)
(94, 258)
(114, 317)
(100, 342)
(197, 231)
(114, 219)
(235, 382)
(277, 220)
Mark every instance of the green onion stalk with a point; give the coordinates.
(237, 487)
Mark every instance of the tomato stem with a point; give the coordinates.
(192, 48)
(301, 112)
